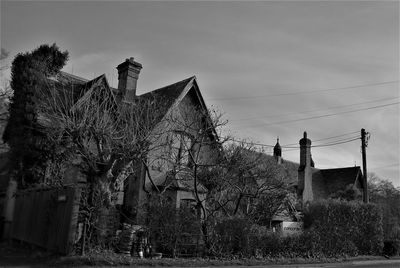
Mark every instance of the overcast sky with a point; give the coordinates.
(268, 66)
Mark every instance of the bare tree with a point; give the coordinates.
(108, 137)
(5, 94)
(238, 178)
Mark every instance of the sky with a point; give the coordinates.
(274, 69)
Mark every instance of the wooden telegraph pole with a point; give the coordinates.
(364, 162)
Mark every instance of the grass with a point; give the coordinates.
(113, 259)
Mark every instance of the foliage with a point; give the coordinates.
(29, 149)
(268, 205)
(387, 197)
(334, 228)
(171, 228)
(244, 183)
(350, 193)
(345, 228)
(230, 237)
(239, 237)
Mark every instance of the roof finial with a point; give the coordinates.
(305, 135)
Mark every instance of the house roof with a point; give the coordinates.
(325, 182)
(338, 178)
(287, 169)
(164, 97)
(167, 96)
(168, 93)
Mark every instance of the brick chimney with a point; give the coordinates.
(304, 172)
(128, 74)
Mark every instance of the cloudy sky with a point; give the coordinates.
(273, 68)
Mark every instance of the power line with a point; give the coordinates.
(326, 144)
(327, 138)
(297, 147)
(325, 115)
(317, 110)
(307, 91)
(336, 143)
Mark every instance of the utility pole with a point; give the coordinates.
(364, 162)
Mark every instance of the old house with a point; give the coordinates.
(181, 133)
(181, 136)
(309, 183)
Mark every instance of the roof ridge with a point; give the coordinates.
(75, 76)
(170, 85)
(340, 168)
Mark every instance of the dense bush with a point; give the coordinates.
(333, 228)
(171, 230)
(231, 237)
(345, 228)
(237, 237)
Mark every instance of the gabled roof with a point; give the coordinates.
(168, 93)
(166, 97)
(70, 88)
(325, 182)
(338, 178)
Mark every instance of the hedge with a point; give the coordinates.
(345, 228)
(333, 228)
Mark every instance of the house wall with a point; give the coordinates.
(161, 157)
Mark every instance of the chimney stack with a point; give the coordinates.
(128, 74)
(278, 152)
(304, 172)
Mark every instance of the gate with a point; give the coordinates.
(47, 217)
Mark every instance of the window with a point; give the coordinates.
(188, 203)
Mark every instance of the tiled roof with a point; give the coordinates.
(166, 96)
(338, 178)
(168, 93)
(324, 181)
(287, 169)
(71, 88)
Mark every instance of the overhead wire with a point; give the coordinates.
(336, 142)
(327, 138)
(307, 91)
(316, 110)
(325, 115)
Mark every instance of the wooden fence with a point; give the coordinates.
(47, 217)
